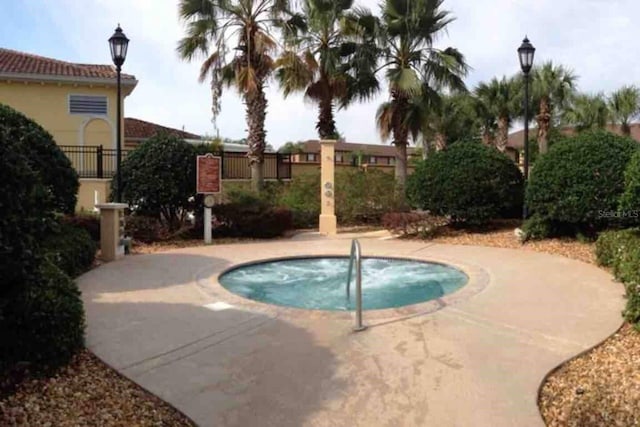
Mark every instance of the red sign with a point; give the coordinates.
(208, 174)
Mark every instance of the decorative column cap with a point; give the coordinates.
(328, 141)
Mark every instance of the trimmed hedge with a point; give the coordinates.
(620, 250)
(71, 249)
(468, 182)
(44, 157)
(577, 185)
(44, 324)
(159, 179)
(88, 222)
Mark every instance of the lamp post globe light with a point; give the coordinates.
(118, 43)
(526, 52)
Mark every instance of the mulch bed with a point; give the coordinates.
(86, 393)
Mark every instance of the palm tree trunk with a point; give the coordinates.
(400, 138)
(544, 123)
(441, 141)
(487, 138)
(326, 124)
(503, 133)
(256, 110)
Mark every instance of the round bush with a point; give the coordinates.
(159, 179)
(26, 214)
(44, 324)
(44, 156)
(630, 200)
(469, 182)
(576, 186)
(71, 249)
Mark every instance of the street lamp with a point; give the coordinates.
(526, 52)
(118, 44)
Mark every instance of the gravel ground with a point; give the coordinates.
(599, 388)
(86, 393)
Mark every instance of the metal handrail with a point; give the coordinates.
(355, 258)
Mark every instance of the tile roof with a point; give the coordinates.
(313, 146)
(516, 139)
(14, 62)
(140, 129)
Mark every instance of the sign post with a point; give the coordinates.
(209, 179)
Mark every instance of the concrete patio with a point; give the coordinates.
(475, 358)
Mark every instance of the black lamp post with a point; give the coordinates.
(526, 52)
(118, 44)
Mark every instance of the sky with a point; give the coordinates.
(595, 38)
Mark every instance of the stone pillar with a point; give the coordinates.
(111, 230)
(328, 223)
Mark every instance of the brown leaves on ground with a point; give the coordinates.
(86, 392)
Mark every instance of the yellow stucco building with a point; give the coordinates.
(76, 103)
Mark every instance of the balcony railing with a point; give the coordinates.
(99, 162)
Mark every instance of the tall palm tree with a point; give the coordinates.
(326, 63)
(553, 86)
(503, 100)
(587, 112)
(624, 107)
(217, 27)
(414, 67)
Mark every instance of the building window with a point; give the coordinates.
(392, 160)
(87, 104)
(373, 160)
(311, 157)
(338, 157)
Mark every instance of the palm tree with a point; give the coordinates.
(327, 64)
(587, 112)
(485, 120)
(214, 28)
(414, 67)
(503, 100)
(624, 107)
(553, 86)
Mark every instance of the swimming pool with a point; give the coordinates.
(320, 283)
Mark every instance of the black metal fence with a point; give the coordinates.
(99, 162)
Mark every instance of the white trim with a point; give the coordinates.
(67, 79)
(90, 118)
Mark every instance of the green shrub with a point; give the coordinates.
(158, 179)
(44, 324)
(70, 248)
(630, 199)
(249, 220)
(25, 215)
(576, 186)
(44, 157)
(302, 197)
(468, 182)
(364, 196)
(88, 222)
(620, 250)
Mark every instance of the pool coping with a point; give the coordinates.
(478, 280)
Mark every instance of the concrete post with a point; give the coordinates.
(328, 222)
(111, 230)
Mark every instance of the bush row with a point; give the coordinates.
(620, 250)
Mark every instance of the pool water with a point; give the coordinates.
(320, 283)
